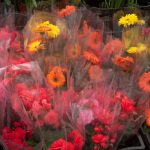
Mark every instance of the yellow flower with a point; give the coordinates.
(128, 20)
(34, 46)
(139, 48)
(43, 27)
(54, 32)
(132, 50)
(141, 22)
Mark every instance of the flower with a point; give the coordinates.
(113, 47)
(61, 144)
(51, 118)
(54, 32)
(76, 138)
(128, 20)
(127, 105)
(85, 30)
(139, 48)
(141, 22)
(43, 27)
(125, 63)
(95, 73)
(56, 77)
(34, 46)
(144, 82)
(94, 40)
(5, 34)
(148, 121)
(90, 56)
(73, 51)
(100, 139)
(15, 138)
(132, 50)
(147, 113)
(85, 117)
(67, 11)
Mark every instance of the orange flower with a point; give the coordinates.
(67, 11)
(35, 45)
(144, 82)
(43, 27)
(95, 73)
(125, 63)
(94, 40)
(114, 46)
(74, 51)
(89, 56)
(56, 77)
(147, 113)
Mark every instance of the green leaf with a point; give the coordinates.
(34, 3)
(32, 143)
(8, 2)
(53, 135)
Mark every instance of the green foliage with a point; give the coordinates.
(32, 143)
(118, 3)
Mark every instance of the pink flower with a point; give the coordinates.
(36, 109)
(52, 118)
(46, 105)
(61, 144)
(85, 117)
(5, 34)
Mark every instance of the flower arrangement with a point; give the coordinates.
(64, 87)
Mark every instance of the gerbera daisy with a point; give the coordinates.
(144, 82)
(43, 27)
(73, 51)
(94, 40)
(56, 77)
(67, 11)
(139, 48)
(95, 73)
(113, 47)
(125, 63)
(35, 45)
(89, 56)
(128, 20)
(54, 32)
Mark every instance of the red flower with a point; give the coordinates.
(15, 138)
(61, 144)
(98, 129)
(127, 105)
(100, 139)
(76, 138)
